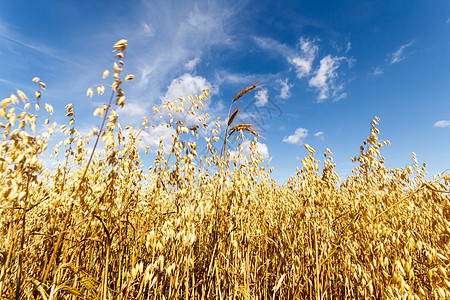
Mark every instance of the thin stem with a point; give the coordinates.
(22, 241)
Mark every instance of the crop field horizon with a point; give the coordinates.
(205, 221)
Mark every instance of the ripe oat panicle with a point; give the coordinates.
(203, 222)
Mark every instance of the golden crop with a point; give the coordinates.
(100, 227)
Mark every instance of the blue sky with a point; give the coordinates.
(327, 68)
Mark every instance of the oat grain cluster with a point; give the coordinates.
(213, 226)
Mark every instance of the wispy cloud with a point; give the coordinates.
(442, 123)
(190, 65)
(6, 81)
(11, 35)
(392, 58)
(147, 30)
(318, 134)
(303, 62)
(181, 34)
(378, 71)
(400, 54)
(132, 110)
(298, 137)
(274, 46)
(285, 90)
(223, 76)
(324, 79)
(348, 47)
(262, 97)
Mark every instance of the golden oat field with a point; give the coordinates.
(98, 225)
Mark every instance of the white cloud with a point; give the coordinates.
(274, 46)
(185, 85)
(132, 110)
(11, 38)
(8, 35)
(285, 92)
(260, 147)
(304, 61)
(223, 76)
(6, 81)
(399, 55)
(442, 123)
(152, 136)
(348, 47)
(378, 71)
(190, 65)
(207, 132)
(324, 80)
(182, 31)
(261, 97)
(147, 30)
(320, 133)
(393, 58)
(298, 137)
